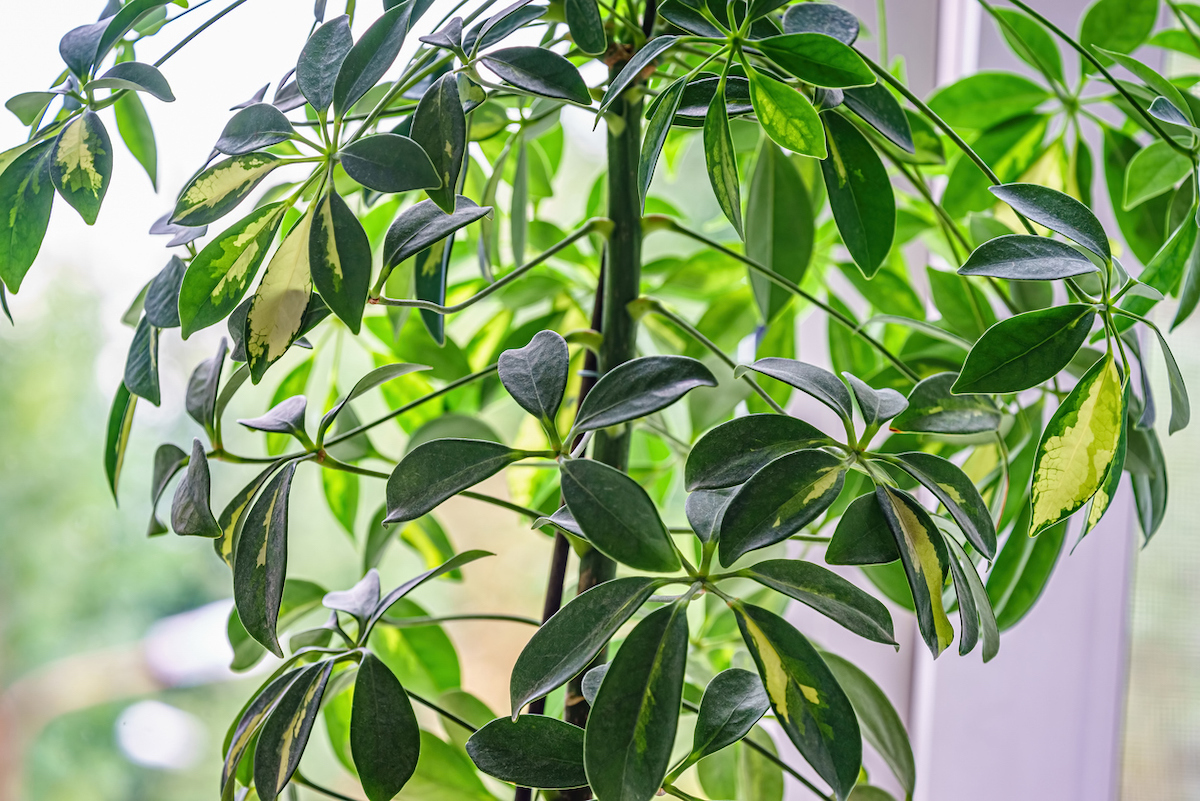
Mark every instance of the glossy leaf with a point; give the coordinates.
(634, 68)
(285, 418)
(809, 379)
(26, 195)
(284, 735)
(862, 536)
(120, 422)
(531, 751)
(241, 735)
(134, 76)
(539, 71)
(656, 134)
(976, 618)
(219, 189)
(439, 470)
(828, 593)
(734, 701)
(536, 375)
(1027, 258)
(260, 561)
(252, 128)
(932, 409)
(162, 295)
(817, 59)
(81, 165)
(141, 366)
(191, 514)
(876, 105)
(876, 406)
(1181, 409)
(827, 18)
(586, 26)
(389, 162)
(860, 194)
(321, 60)
(440, 127)
(1058, 212)
(1023, 351)
(778, 501)
(385, 739)
(954, 490)
(640, 387)
(787, 116)
(168, 460)
(704, 509)
(721, 161)
(423, 224)
(370, 57)
(277, 310)
(339, 256)
(734, 451)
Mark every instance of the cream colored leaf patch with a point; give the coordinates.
(924, 563)
(277, 311)
(81, 165)
(1078, 445)
(216, 191)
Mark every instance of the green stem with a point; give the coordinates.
(303, 782)
(532, 514)
(448, 715)
(412, 622)
(402, 84)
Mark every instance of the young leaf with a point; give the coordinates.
(279, 307)
(385, 739)
(617, 516)
(339, 256)
(951, 486)
(26, 195)
(1058, 212)
(218, 190)
(809, 379)
(734, 451)
(191, 514)
(631, 729)
(540, 72)
(260, 561)
(656, 134)
(862, 536)
(321, 60)
(634, 68)
(285, 418)
(860, 194)
(976, 617)
(787, 116)
(1019, 257)
(424, 224)
(828, 593)
(932, 409)
(778, 501)
(440, 127)
(437, 470)
(496, 28)
(168, 460)
(1155, 169)
(808, 702)
(1023, 351)
(817, 59)
(81, 165)
(827, 18)
(120, 422)
(721, 161)
(217, 278)
(389, 162)
(285, 733)
(586, 26)
(640, 387)
(371, 57)
(141, 366)
(568, 641)
(704, 509)
(531, 751)
(877, 406)
(252, 128)
(734, 701)
(536, 375)
(1078, 445)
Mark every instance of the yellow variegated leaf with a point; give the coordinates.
(1078, 445)
(277, 311)
(81, 165)
(1104, 496)
(215, 192)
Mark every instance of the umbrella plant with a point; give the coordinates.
(632, 367)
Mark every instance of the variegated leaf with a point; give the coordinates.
(218, 190)
(277, 310)
(339, 257)
(284, 735)
(81, 165)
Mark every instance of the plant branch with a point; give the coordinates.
(448, 715)
(413, 622)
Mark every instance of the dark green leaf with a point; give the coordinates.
(809, 379)
(932, 409)
(828, 593)
(498, 27)
(808, 702)
(448, 37)
(26, 196)
(951, 486)
(134, 76)
(704, 509)
(827, 18)
(384, 736)
(321, 60)
(631, 729)
(285, 418)
(985, 99)
(862, 536)
(734, 701)
(684, 16)
(536, 375)
(586, 26)
(191, 514)
(81, 165)
(201, 399)
(779, 227)
(359, 601)
(449, 566)
(778, 501)
(162, 295)
(371, 57)
(440, 127)
(975, 610)
(120, 421)
(568, 641)
(1181, 409)
(423, 224)
(656, 135)
(1023, 351)
(389, 162)
(78, 47)
(1027, 258)
(876, 105)
(640, 387)
(540, 72)
(141, 366)
(876, 406)
(285, 733)
(241, 736)
(964, 308)
(339, 257)
(218, 190)
(1022, 570)
(1148, 473)
(734, 451)
(634, 68)
(168, 460)
(1058, 212)
(721, 161)
(121, 23)
(260, 561)
(252, 128)
(860, 194)
(698, 96)
(439, 470)
(531, 751)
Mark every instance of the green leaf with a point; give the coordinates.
(341, 493)
(828, 593)
(81, 165)
(241, 736)
(29, 106)
(285, 733)
(778, 501)
(279, 308)
(568, 641)
(371, 57)
(496, 28)
(232, 517)
(926, 562)
(827, 18)
(876, 406)
(985, 99)
(640, 387)
(1022, 570)
(779, 227)
(721, 161)
(734, 701)
(252, 128)
(218, 190)
(1032, 43)
(932, 409)
(321, 60)
(787, 115)
(862, 536)
(734, 451)
(634, 68)
(1148, 474)
(168, 460)
(133, 124)
(123, 22)
(809, 704)
(531, 751)
(439, 470)
(423, 224)
(954, 490)
(299, 598)
(375, 378)
(878, 107)
(1181, 408)
(385, 739)
(631, 729)
(880, 723)
(1025, 350)
(218, 277)
(191, 514)
(860, 194)
(440, 127)
(26, 196)
(536, 375)
(817, 59)
(809, 379)
(134, 76)
(389, 162)
(1077, 446)
(1058, 212)
(1152, 171)
(162, 295)
(1020, 257)
(617, 516)
(260, 561)
(977, 620)
(586, 26)
(1117, 25)
(540, 72)
(141, 366)
(1013, 147)
(339, 257)
(667, 104)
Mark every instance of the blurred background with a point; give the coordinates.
(113, 658)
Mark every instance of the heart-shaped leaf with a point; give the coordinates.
(536, 375)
